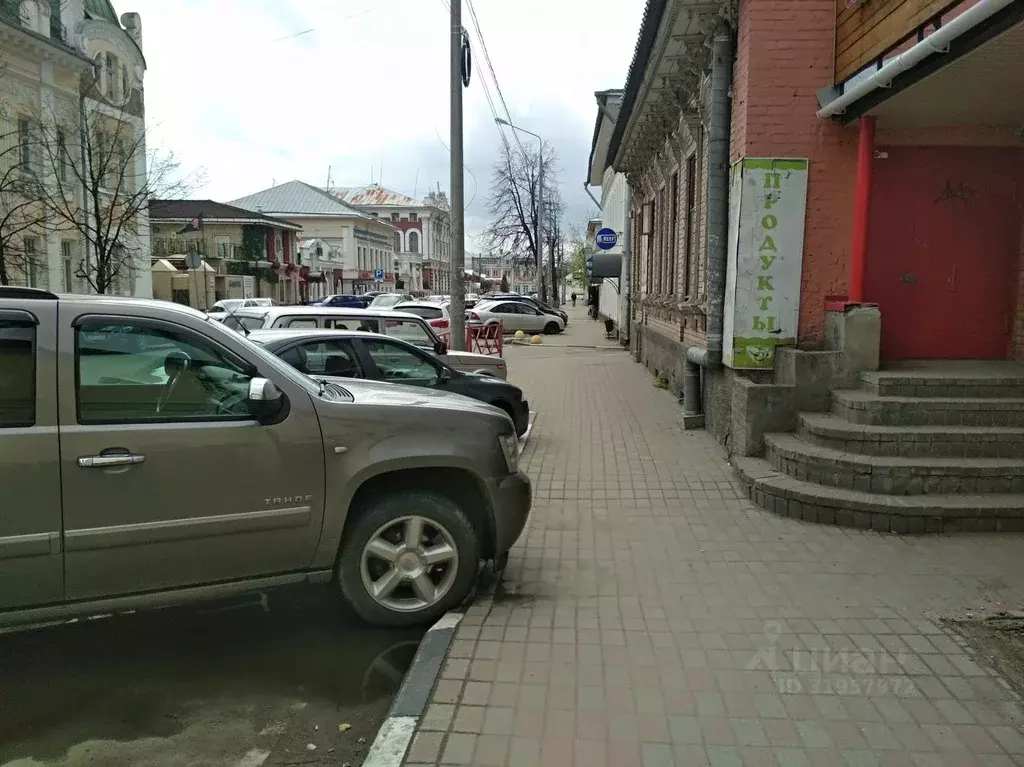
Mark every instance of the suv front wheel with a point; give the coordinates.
(411, 556)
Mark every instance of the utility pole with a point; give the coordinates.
(458, 260)
(538, 231)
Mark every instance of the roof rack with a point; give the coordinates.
(7, 291)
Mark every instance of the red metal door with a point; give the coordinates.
(943, 250)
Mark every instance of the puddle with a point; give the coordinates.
(246, 666)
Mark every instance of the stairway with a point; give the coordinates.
(916, 449)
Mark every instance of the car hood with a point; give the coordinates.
(398, 395)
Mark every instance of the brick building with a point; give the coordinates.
(828, 195)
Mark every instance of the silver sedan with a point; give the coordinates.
(516, 315)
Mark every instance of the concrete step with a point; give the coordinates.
(826, 430)
(799, 499)
(969, 379)
(858, 406)
(895, 475)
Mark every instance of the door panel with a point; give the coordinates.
(168, 482)
(31, 559)
(943, 250)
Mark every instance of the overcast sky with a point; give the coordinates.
(228, 90)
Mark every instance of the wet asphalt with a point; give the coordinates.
(286, 679)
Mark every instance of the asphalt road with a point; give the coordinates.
(289, 680)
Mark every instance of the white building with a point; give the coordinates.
(424, 236)
(360, 256)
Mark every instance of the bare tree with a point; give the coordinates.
(513, 207)
(100, 177)
(24, 224)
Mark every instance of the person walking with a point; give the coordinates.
(573, 300)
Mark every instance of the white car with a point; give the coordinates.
(388, 300)
(436, 313)
(227, 305)
(516, 315)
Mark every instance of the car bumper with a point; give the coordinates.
(522, 419)
(512, 498)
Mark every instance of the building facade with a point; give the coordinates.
(71, 70)
(361, 253)
(423, 239)
(825, 197)
(233, 242)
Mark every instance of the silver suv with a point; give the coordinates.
(149, 455)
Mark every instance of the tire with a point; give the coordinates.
(511, 414)
(551, 328)
(385, 520)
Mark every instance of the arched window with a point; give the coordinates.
(414, 242)
(398, 242)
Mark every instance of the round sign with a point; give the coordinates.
(193, 260)
(607, 239)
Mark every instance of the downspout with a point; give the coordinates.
(586, 188)
(710, 355)
(627, 266)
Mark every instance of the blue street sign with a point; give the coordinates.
(606, 238)
(379, 274)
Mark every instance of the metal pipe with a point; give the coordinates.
(625, 283)
(696, 358)
(586, 188)
(458, 254)
(937, 42)
(718, 188)
(861, 209)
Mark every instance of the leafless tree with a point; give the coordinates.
(97, 188)
(513, 206)
(23, 220)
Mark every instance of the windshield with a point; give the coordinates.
(386, 300)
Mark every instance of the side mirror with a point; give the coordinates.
(440, 348)
(267, 403)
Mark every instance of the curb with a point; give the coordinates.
(395, 735)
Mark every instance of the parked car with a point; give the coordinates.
(388, 300)
(354, 354)
(539, 305)
(225, 306)
(204, 466)
(516, 315)
(344, 301)
(408, 327)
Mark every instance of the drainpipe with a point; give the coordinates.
(718, 222)
(586, 188)
(627, 266)
(861, 209)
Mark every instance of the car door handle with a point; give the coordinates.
(105, 461)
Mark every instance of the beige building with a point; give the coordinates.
(361, 252)
(68, 64)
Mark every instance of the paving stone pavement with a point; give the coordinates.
(651, 615)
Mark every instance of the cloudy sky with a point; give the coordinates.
(234, 88)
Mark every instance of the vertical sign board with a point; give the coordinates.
(767, 206)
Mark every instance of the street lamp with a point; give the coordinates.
(538, 227)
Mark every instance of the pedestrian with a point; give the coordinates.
(574, 300)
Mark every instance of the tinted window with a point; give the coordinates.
(302, 322)
(328, 358)
(400, 364)
(238, 323)
(426, 312)
(128, 373)
(415, 332)
(17, 373)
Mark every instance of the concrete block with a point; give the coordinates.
(759, 409)
(856, 333)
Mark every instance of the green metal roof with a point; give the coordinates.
(101, 9)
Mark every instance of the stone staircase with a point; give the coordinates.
(915, 449)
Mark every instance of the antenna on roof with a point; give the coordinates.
(416, 183)
(328, 178)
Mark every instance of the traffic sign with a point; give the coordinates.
(379, 274)
(607, 238)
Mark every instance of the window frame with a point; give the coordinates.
(149, 323)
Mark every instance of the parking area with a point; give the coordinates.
(259, 682)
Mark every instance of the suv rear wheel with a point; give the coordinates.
(411, 556)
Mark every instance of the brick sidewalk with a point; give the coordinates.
(653, 616)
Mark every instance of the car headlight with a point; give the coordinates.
(510, 447)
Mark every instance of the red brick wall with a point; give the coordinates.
(784, 55)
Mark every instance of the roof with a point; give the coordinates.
(186, 210)
(101, 9)
(374, 195)
(297, 199)
(653, 12)
(607, 101)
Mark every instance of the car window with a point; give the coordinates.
(401, 364)
(235, 322)
(413, 331)
(426, 312)
(328, 358)
(128, 373)
(302, 322)
(17, 374)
